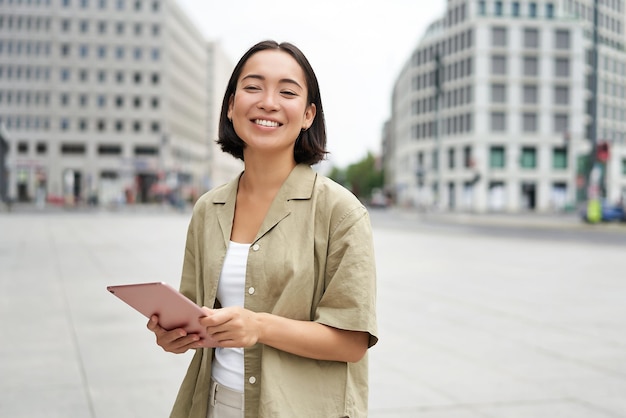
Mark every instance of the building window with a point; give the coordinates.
(119, 77)
(82, 125)
(155, 102)
(137, 53)
(137, 77)
(529, 94)
(561, 67)
(561, 39)
(482, 8)
(498, 65)
(102, 27)
(498, 36)
(498, 121)
(22, 147)
(559, 158)
(102, 101)
(561, 122)
(119, 52)
(624, 166)
(529, 122)
(65, 50)
(498, 8)
(531, 66)
(531, 38)
(561, 95)
(155, 127)
(146, 150)
(496, 157)
(137, 126)
(451, 157)
(119, 101)
(532, 9)
(498, 93)
(550, 11)
(119, 126)
(137, 102)
(64, 124)
(102, 76)
(64, 99)
(109, 149)
(529, 157)
(515, 9)
(41, 148)
(73, 149)
(155, 78)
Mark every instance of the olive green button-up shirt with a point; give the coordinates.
(313, 260)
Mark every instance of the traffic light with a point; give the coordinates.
(602, 151)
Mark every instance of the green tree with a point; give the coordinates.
(361, 177)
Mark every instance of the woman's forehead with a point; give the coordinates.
(274, 64)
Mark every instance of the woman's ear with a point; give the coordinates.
(229, 113)
(309, 116)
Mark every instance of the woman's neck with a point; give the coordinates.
(261, 177)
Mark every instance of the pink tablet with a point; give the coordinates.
(174, 309)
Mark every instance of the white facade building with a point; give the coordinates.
(510, 124)
(105, 100)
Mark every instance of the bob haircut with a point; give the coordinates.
(310, 146)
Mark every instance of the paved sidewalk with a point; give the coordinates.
(470, 326)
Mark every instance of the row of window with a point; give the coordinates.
(79, 148)
(102, 125)
(102, 27)
(453, 125)
(530, 122)
(102, 51)
(120, 5)
(29, 99)
(120, 76)
(450, 72)
(27, 48)
(456, 43)
(531, 38)
(25, 2)
(497, 158)
(15, 23)
(449, 99)
(42, 123)
(530, 94)
(585, 12)
(23, 72)
(102, 101)
(531, 9)
(530, 66)
(528, 158)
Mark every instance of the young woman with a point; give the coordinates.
(281, 258)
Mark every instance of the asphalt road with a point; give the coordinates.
(479, 316)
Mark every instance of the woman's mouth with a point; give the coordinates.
(268, 123)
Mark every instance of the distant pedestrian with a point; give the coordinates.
(282, 256)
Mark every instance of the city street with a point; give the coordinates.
(497, 317)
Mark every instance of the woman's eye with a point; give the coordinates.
(251, 88)
(288, 93)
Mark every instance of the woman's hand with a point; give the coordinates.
(232, 327)
(175, 341)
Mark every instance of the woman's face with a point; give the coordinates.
(269, 107)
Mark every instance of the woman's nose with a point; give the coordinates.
(268, 101)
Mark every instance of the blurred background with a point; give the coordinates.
(486, 137)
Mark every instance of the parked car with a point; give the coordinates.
(608, 212)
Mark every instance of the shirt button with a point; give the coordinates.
(251, 290)
(255, 247)
(252, 380)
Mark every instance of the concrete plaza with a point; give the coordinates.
(470, 325)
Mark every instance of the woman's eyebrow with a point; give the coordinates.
(262, 78)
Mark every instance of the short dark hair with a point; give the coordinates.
(310, 146)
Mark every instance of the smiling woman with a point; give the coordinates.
(281, 259)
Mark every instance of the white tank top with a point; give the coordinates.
(228, 365)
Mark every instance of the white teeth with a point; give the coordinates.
(269, 123)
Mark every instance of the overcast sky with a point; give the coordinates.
(356, 48)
